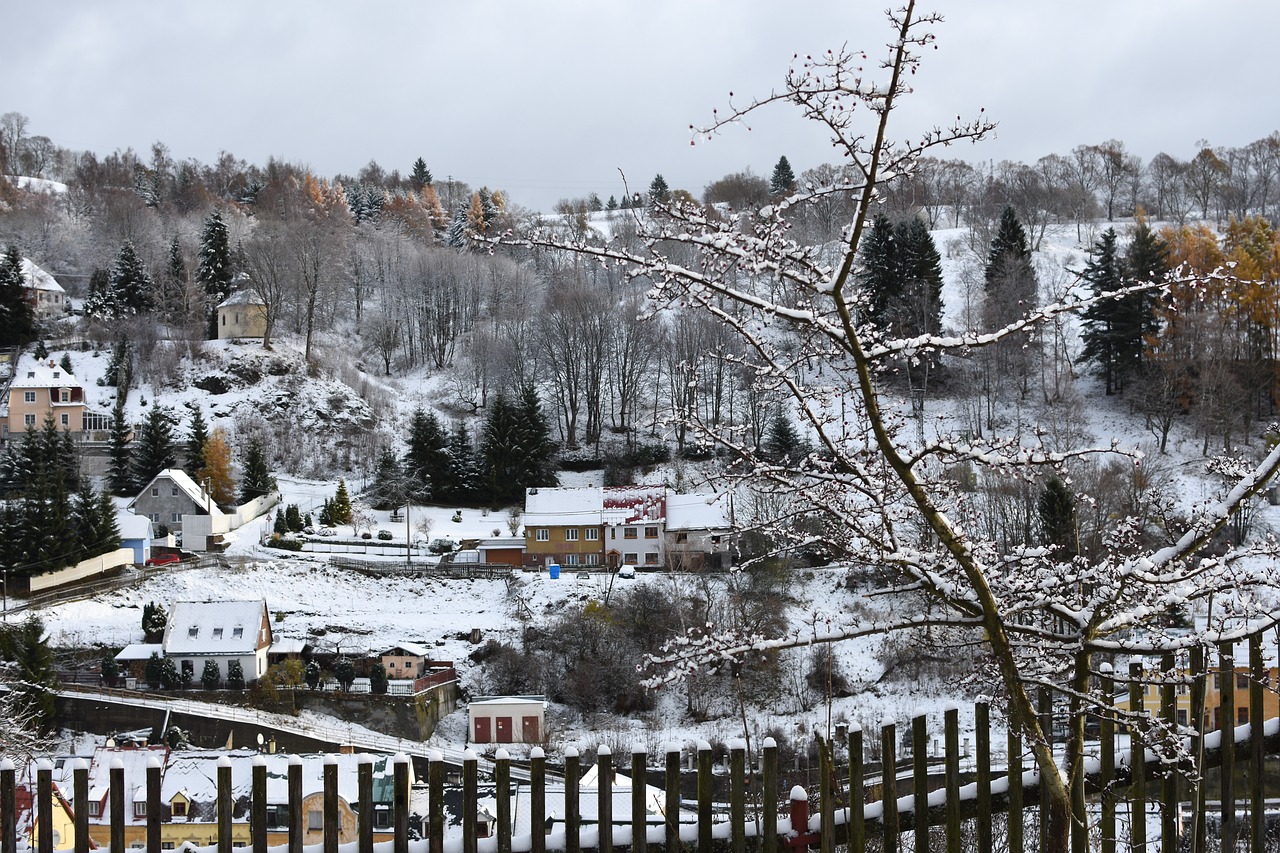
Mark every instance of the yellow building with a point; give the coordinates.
(1213, 698)
(242, 315)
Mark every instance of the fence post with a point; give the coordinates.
(116, 799)
(1169, 784)
(799, 818)
(769, 800)
(1227, 726)
(951, 730)
(364, 794)
(1198, 677)
(982, 746)
(537, 799)
(704, 795)
(224, 804)
(1257, 810)
(435, 805)
(1137, 763)
(604, 797)
(1046, 727)
(572, 803)
(1014, 774)
(295, 804)
(857, 792)
(1106, 746)
(470, 802)
(889, 784)
(502, 793)
(80, 803)
(826, 797)
(153, 805)
(42, 806)
(258, 803)
(9, 807)
(639, 826)
(920, 779)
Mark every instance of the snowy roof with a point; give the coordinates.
(135, 761)
(183, 481)
(214, 627)
(409, 649)
(563, 506)
(625, 504)
(38, 278)
(139, 651)
(501, 542)
(287, 646)
(194, 773)
(508, 700)
(241, 297)
(31, 373)
(697, 512)
(133, 526)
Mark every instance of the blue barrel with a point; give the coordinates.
(554, 569)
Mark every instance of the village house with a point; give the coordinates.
(1212, 718)
(218, 631)
(42, 291)
(563, 526)
(634, 518)
(40, 389)
(507, 719)
(169, 496)
(405, 660)
(699, 532)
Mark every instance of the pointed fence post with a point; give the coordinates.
(1169, 784)
(769, 786)
(1107, 746)
(573, 801)
(857, 792)
(332, 820)
(294, 784)
(704, 795)
(42, 806)
(920, 779)
(8, 807)
(224, 803)
(982, 737)
(115, 796)
(951, 731)
(639, 810)
(364, 794)
(1258, 751)
(1014, 775)
(671, 800)
(80, 803)
(604, 797)
(1227, 727)
(471, 802)
(258, 803)
(401, 769)
(537, 799)
(435, 804)
(153, 805)
(1198, 679)
(1137, 762)
(502, 793)
(889, 784)
(826, 798)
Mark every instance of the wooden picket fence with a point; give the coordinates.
(1121, 790)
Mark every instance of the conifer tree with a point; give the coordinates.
(783, 181)
(215, 272)
(256, 479)
(420, 176)
(98, 302)
(154, 450)
(500, 453)
(881, 275)
(119, 372)
(120, 470)
(456, 237)
(17, 320)
(659, 192)
(1057, 510)
(196, 438)
(390, 486)
(130, 284)
(426, 462)
(340, 509)
(535, 438)
(1010, 278)
(1115, 330)
(783, 440)
(462, 468)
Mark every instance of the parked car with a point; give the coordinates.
(164, 560)
(384, 535)
(626, 570)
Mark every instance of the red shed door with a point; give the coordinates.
(481, 733)
(529, 730)
(504, 729)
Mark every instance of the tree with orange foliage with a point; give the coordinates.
(216, 472)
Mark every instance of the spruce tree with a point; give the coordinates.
(340, 509)
(98, 302)
(1010, 279)
(463, 476)
(456, 236)
(881, 277)
(921, 279)
(256, 480)
(426, 462)
(17, 320)
(1057, 510)
(783, 181)
(420, 176)
(197, 435)
(120, 468)
(154, 450)
(131, 287)
(1114, 329)
(659, 192)
(535, 439)
(34, 670)
(215, 272)
(500, 453)
(783, 440)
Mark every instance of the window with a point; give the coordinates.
(66, 396)
(175, 491)
(651, 533)
(381, 817)
(155, 517)
(224, 319)
(571, 534)
(592, 559)
(217, 633)
(315, 820)
(1217, 681)
(66, 419)
(155, 491)
(592, 534)
(57, 374)
(188, 669)
(1242, 716)
(166, 845)
(29, 420)
(277, 815)
(682, 537)
(629, 558)
(95, 809)
(193, 631)
(651, 558)
(1182, 717)
(1242, 681)
(543, 534)
(28, 396)
(179, 808)
(628, 533)
(139, 808)
(571, 559)
(176, 518)
(237, 633)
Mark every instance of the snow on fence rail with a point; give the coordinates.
(1131, 789)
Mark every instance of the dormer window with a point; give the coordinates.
(31, 374)
(237, 633)
(57, 374)
(193, 631)
(217, 633)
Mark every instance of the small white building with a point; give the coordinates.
(507, 719)
(220, 631)
(46, 296)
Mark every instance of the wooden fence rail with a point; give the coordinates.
(1122, 788)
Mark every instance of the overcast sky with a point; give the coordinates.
(552, 99)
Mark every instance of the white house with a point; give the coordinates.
(220, 631)
(699, 531)
(507, 719)
(42, 290)
(135, 534)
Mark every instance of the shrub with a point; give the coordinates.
(210, 677)
(276, 541)
(235, 676)
(378, 680)
(110, 670)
